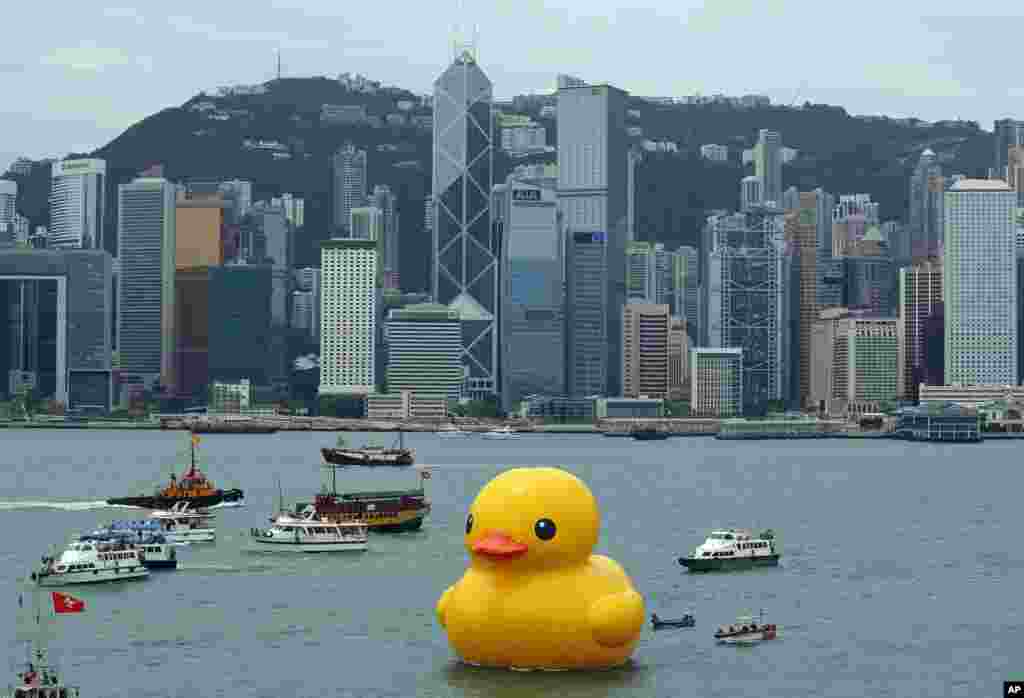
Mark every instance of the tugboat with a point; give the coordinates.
(193, 488)
(733, 548)
(387, 511)
(746, 632)
(40, 679)
(369, 455)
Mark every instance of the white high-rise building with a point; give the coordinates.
(980, 283)
(145, 298)
(348, 312)
(77, 204)
(349, 190)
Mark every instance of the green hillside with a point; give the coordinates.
(839, 152)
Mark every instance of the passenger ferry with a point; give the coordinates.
(733, 548)
(310, 534)
(180, 524)
(88, 562)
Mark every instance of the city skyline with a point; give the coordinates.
(138, 74)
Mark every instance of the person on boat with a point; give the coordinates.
(30, 677)
(654, 618)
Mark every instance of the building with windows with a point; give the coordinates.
(927, 203)
(646, 368)
(641, 281)
(56, 310)
(533, 291)
(77, 204)
(147, 249)
(348, 315)
(803, 220)
(686, 288)
(714, 152)
(594, 168)
(678, 360)
(979, 278)
(586, 361)
(716, 382)
(768, 165)
(198, 221)
(424, 348)
(387, 203)
(8, 199)
(920, 299)
(855, 356)
(349, 188)
(466, 248)
(751, 294)
(1008, 133)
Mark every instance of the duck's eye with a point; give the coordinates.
(545, 529)
(469, 524)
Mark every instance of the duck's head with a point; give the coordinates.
(532, 518)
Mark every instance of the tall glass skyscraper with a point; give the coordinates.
(533, 302)
(587, 341)
(466, 244)
(77, 204)
(926, 208)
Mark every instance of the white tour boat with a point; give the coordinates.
(157, 551)
(505, 432)
(88, 562)
(310, 534)
(733, 548)
(180, 524)
(450, 431)
(746, 631)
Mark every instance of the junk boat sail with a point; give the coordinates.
(369, 455)
(390, 511)
(746, 632)
(180, 524)
(310, 534)
(733, 548)
(40, 679)
(193, 488)
(91, 562)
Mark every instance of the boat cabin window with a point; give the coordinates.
(721, 536)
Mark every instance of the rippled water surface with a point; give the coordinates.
(901, 574)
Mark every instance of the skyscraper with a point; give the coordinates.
(587, 336)
(920, 299)
(466, 245)
(768, 165)
(802, 226)
(145, 299)
(749, 282)
(386, 201)
(348, 333)
(640, 273)
(533, 297)
(686, 289)
(979, 278)
(1008, 133)
(424, 343)
(349, 190)
(77, 204)
(593, 175)
(926, 207)
(716, 382)
(645, 351)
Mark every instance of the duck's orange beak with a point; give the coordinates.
(499, 546)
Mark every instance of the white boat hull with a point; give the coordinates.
(93, 576)
(500, 437)
(279, 546)
(187, 536)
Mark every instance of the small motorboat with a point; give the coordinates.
(745, 631)
(687, 621)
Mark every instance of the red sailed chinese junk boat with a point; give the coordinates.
(388, 510)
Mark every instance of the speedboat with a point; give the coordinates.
(90, 562)
(505, 432)
(733, 548)
(180, 524)
(687, 621)
(746, 631)
(310, 534)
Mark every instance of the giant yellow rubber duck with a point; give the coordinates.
(534, 597)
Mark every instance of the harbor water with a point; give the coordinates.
(901, 570)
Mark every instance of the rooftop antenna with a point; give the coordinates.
(279, 65)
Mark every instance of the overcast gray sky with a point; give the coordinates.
(76, 74)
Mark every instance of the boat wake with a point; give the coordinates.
(25, 505)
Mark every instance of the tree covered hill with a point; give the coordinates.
(215, 137)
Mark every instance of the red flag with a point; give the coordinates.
(65, 603)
